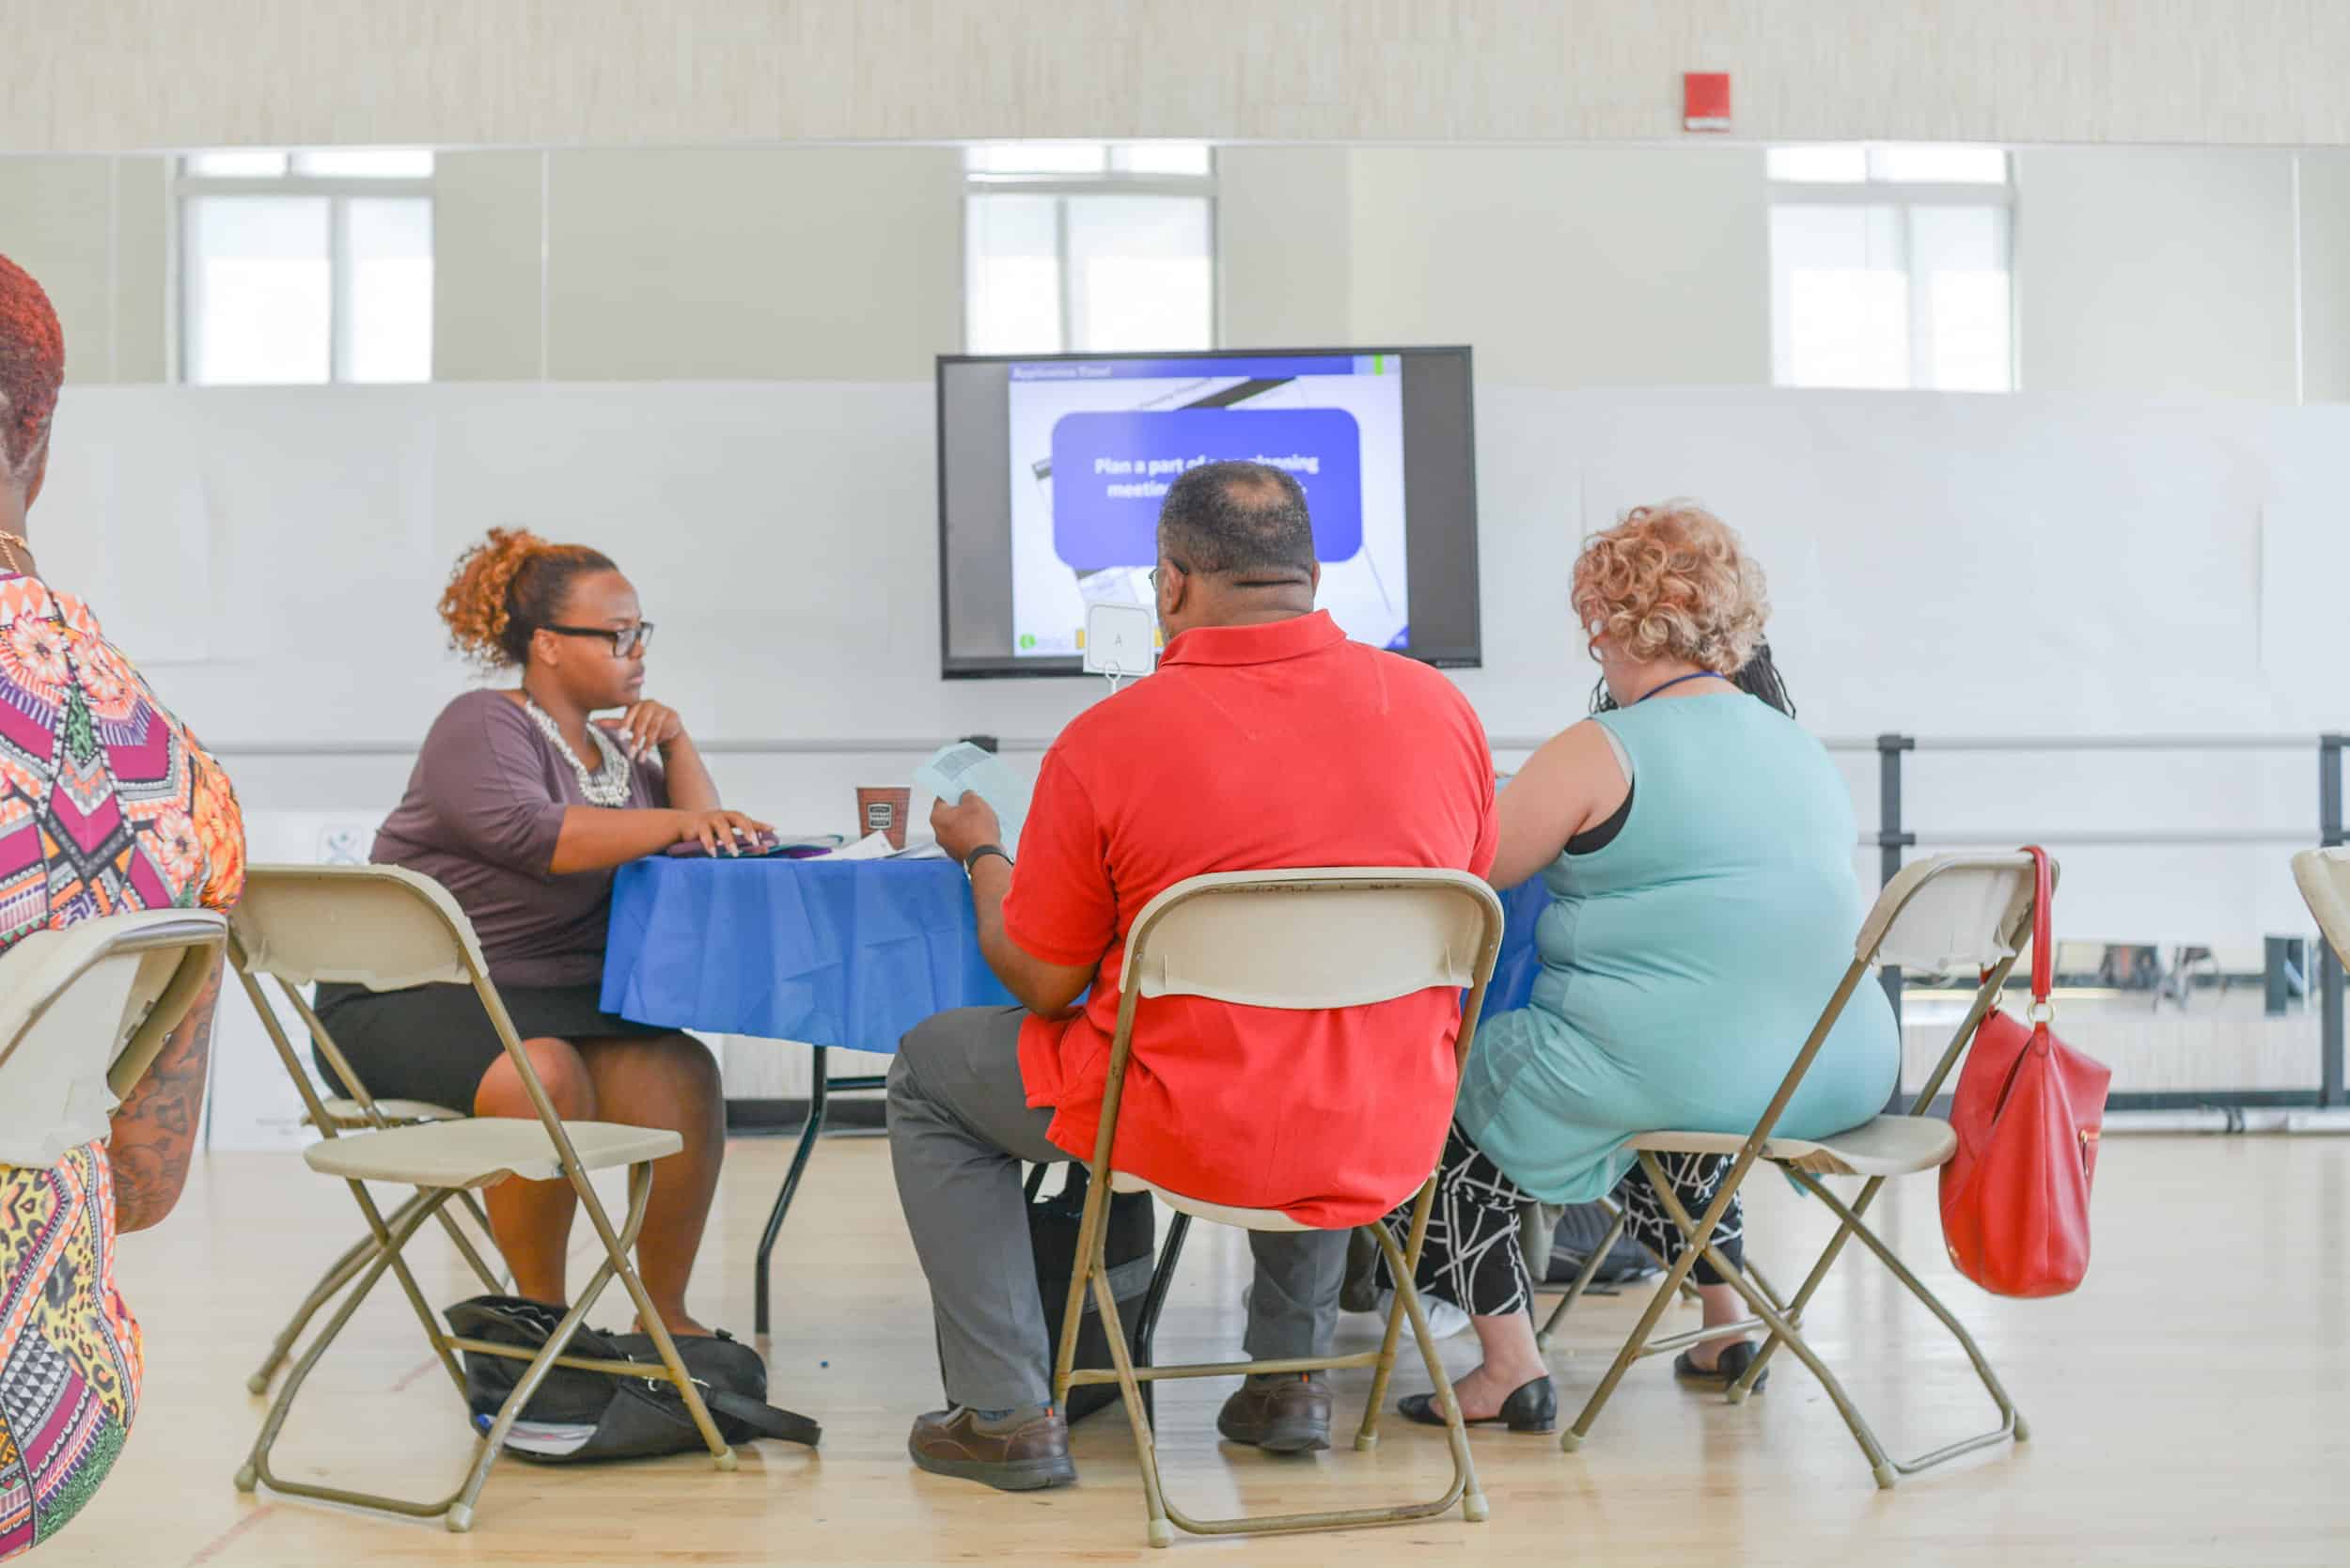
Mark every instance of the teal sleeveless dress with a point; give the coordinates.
(1685, 964)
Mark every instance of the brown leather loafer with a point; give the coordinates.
(1025, 1452)
(1287, 1414)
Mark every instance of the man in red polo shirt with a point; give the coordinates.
(1266, 740)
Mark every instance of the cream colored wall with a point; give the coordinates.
(2137, 269)
(1284, 246)
(487, 250)
(138, 73)
(1567, 267)
(93, 231)
(2325, 274)
(2155, 271)
(829, 265)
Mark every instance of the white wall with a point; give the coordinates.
(2156, 271)
(1940, 565)
(91, 230)
(300, 72)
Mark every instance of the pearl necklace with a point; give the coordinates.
(608, 785)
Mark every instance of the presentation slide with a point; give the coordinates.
(1095, 444)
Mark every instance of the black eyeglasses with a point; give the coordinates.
(1154, 572)
(627, 642)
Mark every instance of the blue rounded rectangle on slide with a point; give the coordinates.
(1110, 471)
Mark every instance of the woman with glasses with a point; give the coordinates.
(522, 804)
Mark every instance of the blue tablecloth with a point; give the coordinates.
(846, 952)
(831, 952)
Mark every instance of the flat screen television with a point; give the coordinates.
(1051, 469)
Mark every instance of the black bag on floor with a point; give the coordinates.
(580, 1416)
(1053, 1224)
(1582, 1228)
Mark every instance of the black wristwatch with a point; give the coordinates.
(980, 854)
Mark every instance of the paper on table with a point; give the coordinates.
(920, 849)
(873, 846)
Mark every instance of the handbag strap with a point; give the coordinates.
(768, 1420)
(2043, 943)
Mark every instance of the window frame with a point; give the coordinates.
(339, 191)
(1109, 181)
(1903, 196)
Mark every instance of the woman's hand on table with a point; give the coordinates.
(964, 826)
(645, 728)
(719, 831)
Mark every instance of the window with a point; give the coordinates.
(1892, 266)
(305, 267)
(1079, 247)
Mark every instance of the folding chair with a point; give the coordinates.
(1939, 913)
(1295, 939)
(1592, 1265)
(84, 1012)
(2324, 877)
(355, 1111)
(387, 929)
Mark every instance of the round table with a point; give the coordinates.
(849, 953)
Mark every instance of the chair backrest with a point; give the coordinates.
(2324, 877)
(1950, 912)
(84, 1012)
(1321, 937)
(376, 926)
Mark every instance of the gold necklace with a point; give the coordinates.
(9, 545)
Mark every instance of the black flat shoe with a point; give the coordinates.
(1732, 1366)
(1531, 1407)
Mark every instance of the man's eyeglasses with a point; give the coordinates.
(1154, 572)
(627, 642)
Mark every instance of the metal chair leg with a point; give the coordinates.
(818, 1087)
(1880, 1464)
(2011, 1423)
(255, 1469)
(338, 1273)
(1582, 1282)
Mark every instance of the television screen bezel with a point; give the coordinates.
(1061, 667)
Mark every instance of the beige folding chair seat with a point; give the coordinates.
(389, 929)
(352, 1114)
(1297, 939)
(1218, 1214)
(1887, 1146)
(1946, 913)
(481, 1153)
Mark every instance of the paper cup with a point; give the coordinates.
(880, 810)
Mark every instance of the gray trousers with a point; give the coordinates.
(960, 1125)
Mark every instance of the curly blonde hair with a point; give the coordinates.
(1671, 581)
(508, 587)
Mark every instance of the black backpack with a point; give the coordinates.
(1582, 1228)
(622, 1417)
(1053, 1224)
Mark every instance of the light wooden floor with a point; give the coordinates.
(2189, 1406)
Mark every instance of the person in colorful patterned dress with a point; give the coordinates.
(107, 805)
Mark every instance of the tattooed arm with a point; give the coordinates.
(154, 1131)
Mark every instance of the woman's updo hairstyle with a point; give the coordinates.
(1671, 581)
(505, 589)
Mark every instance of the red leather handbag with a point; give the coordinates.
(2029, 1111)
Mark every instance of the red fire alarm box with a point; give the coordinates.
(1706, 101)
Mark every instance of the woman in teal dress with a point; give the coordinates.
(1698, 848)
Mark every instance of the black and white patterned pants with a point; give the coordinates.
(1472, 1255)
